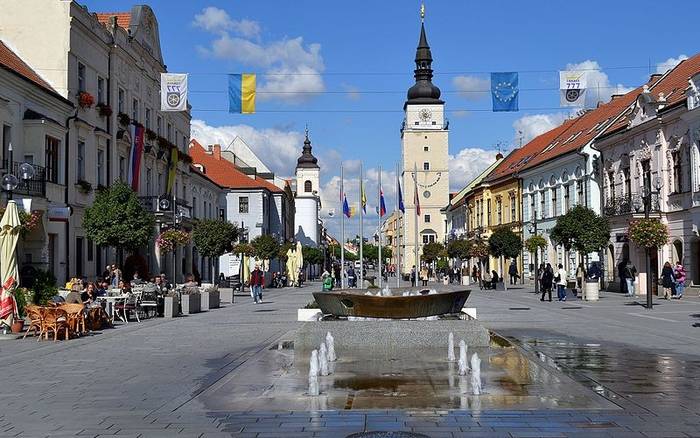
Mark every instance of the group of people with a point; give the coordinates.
(673, 280)
(548, 279)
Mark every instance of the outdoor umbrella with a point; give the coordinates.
(300, 258)
(288, 265)
(246, 269)
(9, 234)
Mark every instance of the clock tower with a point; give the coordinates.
(424, 147)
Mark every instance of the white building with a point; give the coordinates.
(307, 201)
(33, 119)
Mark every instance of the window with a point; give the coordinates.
(80, 169)
(81, 77)
(555, 205)
(100, 167)
(579, 192)
(307, 186)
(488, 213)
(428, 238)
(159, 124)
(169, 132)
(101, 90)
(90, 250)
(426, 166)
(677, 175)
(426, 218)
(134, 109)
(149, 177)
(194, 207)
(611, 184)
(243, 204)
(499, 211)
(543, 212)
(513, 208)
(6, 140)
(533, 213)
(122, 168)
(147, 117)
(426, 148)
(53, 249)
(28, 158)
(160, 182)
(646, 175)
(51, 159)
(567, 199)
(79, 256)
(628, 183)
(120, 100)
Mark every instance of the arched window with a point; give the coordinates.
(307, 186)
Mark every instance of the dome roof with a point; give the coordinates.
(307, 159)
(423, 91)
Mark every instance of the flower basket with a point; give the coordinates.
(648, 233)
(151, 135)
(104, 110)
(29, 221)
(169, 239)
(85, 99)
(124, 119)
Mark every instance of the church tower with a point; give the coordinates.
(424, 147)
(307, 202)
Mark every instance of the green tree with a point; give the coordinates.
(581, 229)
(459, 249)
(535, 243)
(266, 247)
(504, 242)
(118, 219)
(348, 255)
(214, 237)
(433, 251)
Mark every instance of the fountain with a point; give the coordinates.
(451, 347)
(476, 374)
(323, 360)
(313, 373)
(330, 343)
(462, 358)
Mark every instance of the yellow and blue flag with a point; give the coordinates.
(363, 197)
(346, 208)
(241, 93)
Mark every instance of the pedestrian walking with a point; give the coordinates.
(667, 280)
(424, 275)
(257, 282)
(513, 273)
(560, 279)
(414, 280)
(680, 275)
(630, 274)
(546, 280)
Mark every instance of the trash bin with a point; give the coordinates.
(591, 289)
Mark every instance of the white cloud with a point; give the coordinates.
(215, 20)
(670, 63)
(277, 148)
(599, 87)
(467, 164)
(292, 69)
(530, 126)
(472, 87)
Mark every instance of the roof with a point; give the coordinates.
(460, 197)
(9, 60)
(123, 18)
(672, 84)
(307, 159)
(225, 173)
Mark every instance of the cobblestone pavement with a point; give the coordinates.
(138, 379)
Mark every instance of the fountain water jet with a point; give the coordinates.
(476, 374)
(323, 360)
(330, 344)
(451, 347)
(462, 358)
(313, 373)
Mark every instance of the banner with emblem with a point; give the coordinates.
(572, 85)
(173, 91)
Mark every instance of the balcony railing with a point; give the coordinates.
(35, 186)
(619, 205)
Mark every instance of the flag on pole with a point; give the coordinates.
(382, 207)
(346, 208)
(504, 91)
(416, 199)
(173, 92)
(363, 197)
(241, 93)
(398, 185)
(136, 132)
(172, 170)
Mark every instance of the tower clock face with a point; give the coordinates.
(425, 115)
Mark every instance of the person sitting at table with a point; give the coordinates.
(164, 279)
(102, 288)
(124, 287)
(160, 286)
(74, 297)
(89, 295)
(137, 279)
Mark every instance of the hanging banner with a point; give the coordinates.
(173, 92)
(572, 85)
(504, 91)
(241, 93)
(137, 133)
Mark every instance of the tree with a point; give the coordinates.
(348, 255)
(535, 243)
(433, 251)
(214, 237)
(266, 247)
(118, 219)
(581, 229)
(459, 249)
(505, 243)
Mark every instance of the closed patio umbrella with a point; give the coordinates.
(288, 266)
(9, 235)
(300, 258)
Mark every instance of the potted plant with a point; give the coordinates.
(171, 305)
(124, 119)
(191, 301)
(104, 110)
(169, 239)
(85, 99)
(23, 296)
(211, 298)
(84, 186)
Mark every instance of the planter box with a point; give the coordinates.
(191, 303)
(309, 314)
(210, 300)
(226, 295)
(171, 308)
(591, 290)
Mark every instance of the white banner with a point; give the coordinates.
(173, 92)
(572, 85)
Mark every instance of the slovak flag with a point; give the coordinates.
(382, 207)
(416, 199)
(401, 206)
(346, 207)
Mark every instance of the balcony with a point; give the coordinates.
(35, 186)
(620, 205)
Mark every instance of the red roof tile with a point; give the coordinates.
(123, 18)
(10, 61)
(225, 173)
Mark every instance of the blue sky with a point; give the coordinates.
(358, 56)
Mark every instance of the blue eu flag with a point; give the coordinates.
(504, 91)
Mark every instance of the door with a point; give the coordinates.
(654, 262)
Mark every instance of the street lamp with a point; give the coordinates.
(533, 231)
(10, 181)
(646, 197)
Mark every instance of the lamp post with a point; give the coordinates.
(645, 202)
(10, 181)
(533, 231)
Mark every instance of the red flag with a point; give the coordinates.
(416, 199)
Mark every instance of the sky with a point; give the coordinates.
(343, 69)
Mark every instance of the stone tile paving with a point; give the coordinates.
(138, 379)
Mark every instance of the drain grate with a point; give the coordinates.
(518, 308)
(383, 434)
(571, 307)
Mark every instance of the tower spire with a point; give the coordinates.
(422, 12)
(424, 91)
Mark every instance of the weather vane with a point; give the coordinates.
(422, 11)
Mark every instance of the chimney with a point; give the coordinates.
(216, 151)
(615, 96)
(499, 156)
